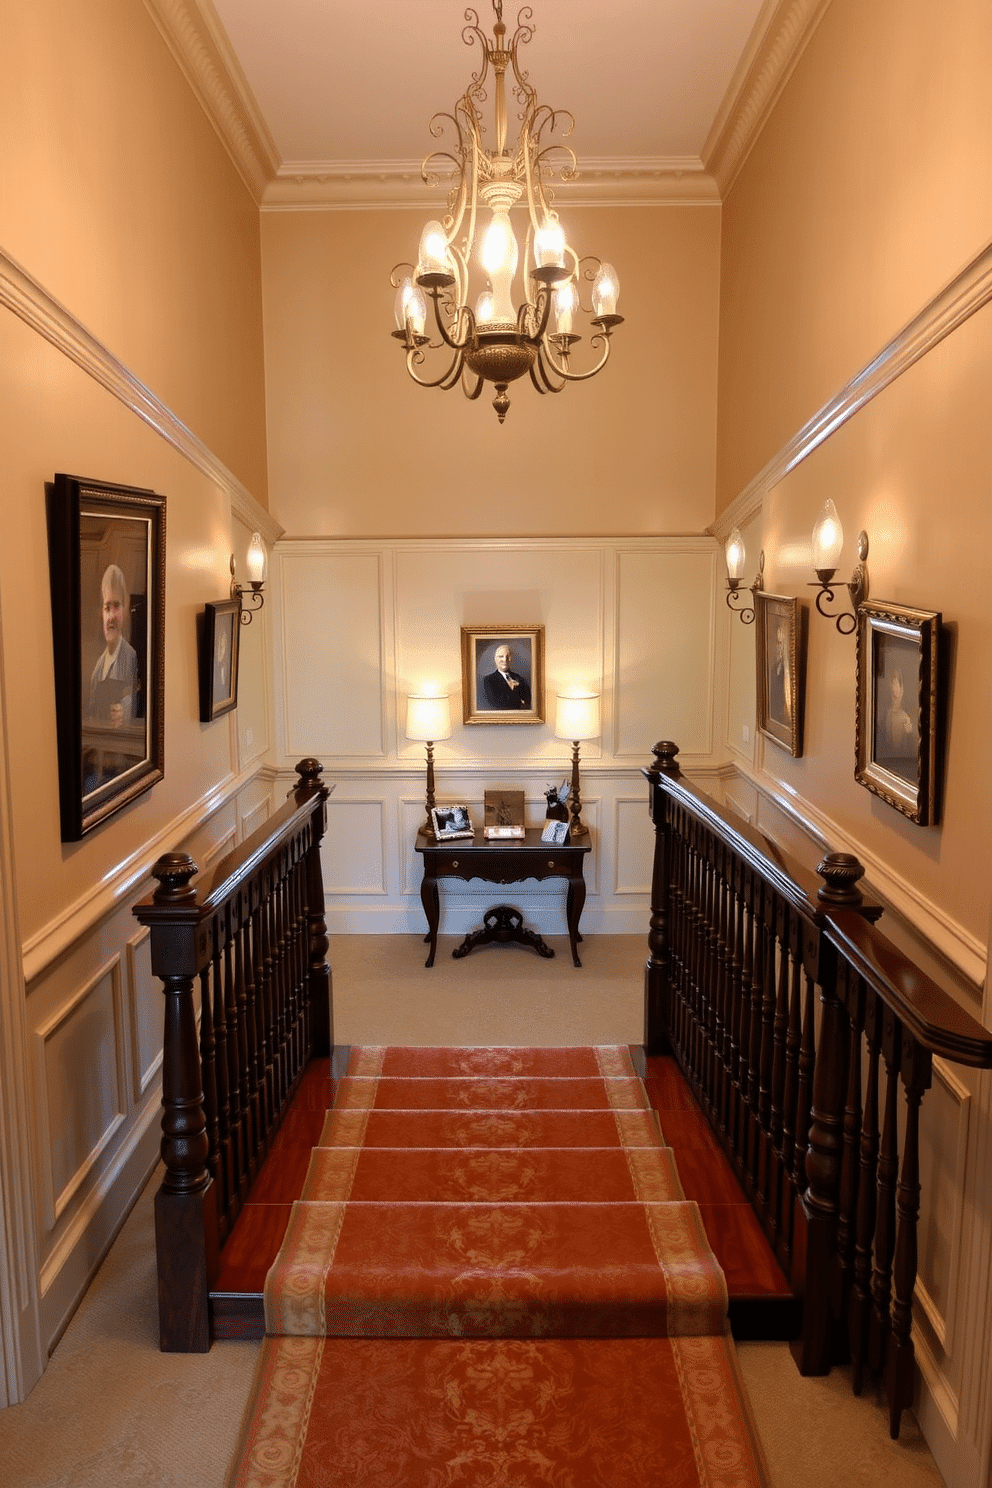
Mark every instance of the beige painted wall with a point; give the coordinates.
(120, 199)
(866, 192)
(355, 449)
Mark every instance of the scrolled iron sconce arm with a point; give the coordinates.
(857, 586)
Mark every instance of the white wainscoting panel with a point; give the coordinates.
(353, 854)
(944, 1122)
(665, 649)
(79, 1117)
(634, 836)
(329, 630)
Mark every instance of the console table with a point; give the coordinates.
(502, 862)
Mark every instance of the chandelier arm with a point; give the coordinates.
(545, 383)
(603, 336)
(471, 393)
(447, 379)
(446, 337)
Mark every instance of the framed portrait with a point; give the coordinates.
(503, 673)
(451, 821)
(780, 639)
(220, 633)
(107, 570)
(897, 707)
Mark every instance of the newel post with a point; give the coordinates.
(825, 1144)
(186, 1203)
(657, 988)
(318, 973)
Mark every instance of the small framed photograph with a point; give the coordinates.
(107, 569)
(451, 821)
(503, 673)
(556, 832)
(504, 808)
(780, 639)
(897, 707)
(220, 633)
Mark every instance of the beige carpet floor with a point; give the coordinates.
(113, 1412)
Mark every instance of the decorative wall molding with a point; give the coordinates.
(780, 36)
(966, 293)
(197, 40)
(76, 920)
(32, 303)
(964, 953)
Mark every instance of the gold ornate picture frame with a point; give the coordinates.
(503, 673)
(897, 707)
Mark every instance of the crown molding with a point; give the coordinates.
(197, 40)
(32, 303)
(780, 36)
(363, 185)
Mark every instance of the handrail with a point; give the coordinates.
(938, 1023)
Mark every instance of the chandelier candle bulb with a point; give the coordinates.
(549, 246)
(434, 265)
(566, 303)
(605, 292)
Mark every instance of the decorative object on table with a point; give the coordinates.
(827, 543)
(780, 642)
(577, 718)
(898, 702)
(555, 831)
(428, 719)
(557, 799)
(503, 673)
(489, 338)
(107, 568)
(219, 650)
(257, 563)
(736, 554)
(504, 813)
(451, 821)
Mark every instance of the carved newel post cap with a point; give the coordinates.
(309, 771)
(841, 872)
(174, 871)
(664, 758)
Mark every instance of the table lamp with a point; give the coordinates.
(577, 717)
(428, 718)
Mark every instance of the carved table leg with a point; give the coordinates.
(574, 905)
(430, 899)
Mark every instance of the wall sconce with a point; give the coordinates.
(257, 563)
(828, 540)
(428, 718)
(735, 555)
(577, 717)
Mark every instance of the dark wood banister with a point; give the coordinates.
(796, 1022)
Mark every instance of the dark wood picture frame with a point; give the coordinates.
(488, 698)
(107, 573)
(219, 655)
(897, 707)
(780, 641)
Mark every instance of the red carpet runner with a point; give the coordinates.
(493, 1280)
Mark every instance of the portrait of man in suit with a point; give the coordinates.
(504, 688)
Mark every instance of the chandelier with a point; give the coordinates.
(473, 249)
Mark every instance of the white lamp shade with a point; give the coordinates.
(577, 716)
(828, 538)
(428, 718)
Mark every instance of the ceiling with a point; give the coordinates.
(328, 101)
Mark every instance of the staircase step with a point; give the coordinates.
(433, 1128)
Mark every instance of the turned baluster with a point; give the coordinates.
(852, 993)
(780, 1024)
(790, 1093)
(318, 971)
(885, 1218)
(916, 1074)
(859, 1310)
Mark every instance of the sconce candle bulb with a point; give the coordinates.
(735, 555)
(256, 561)
(827, 544)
